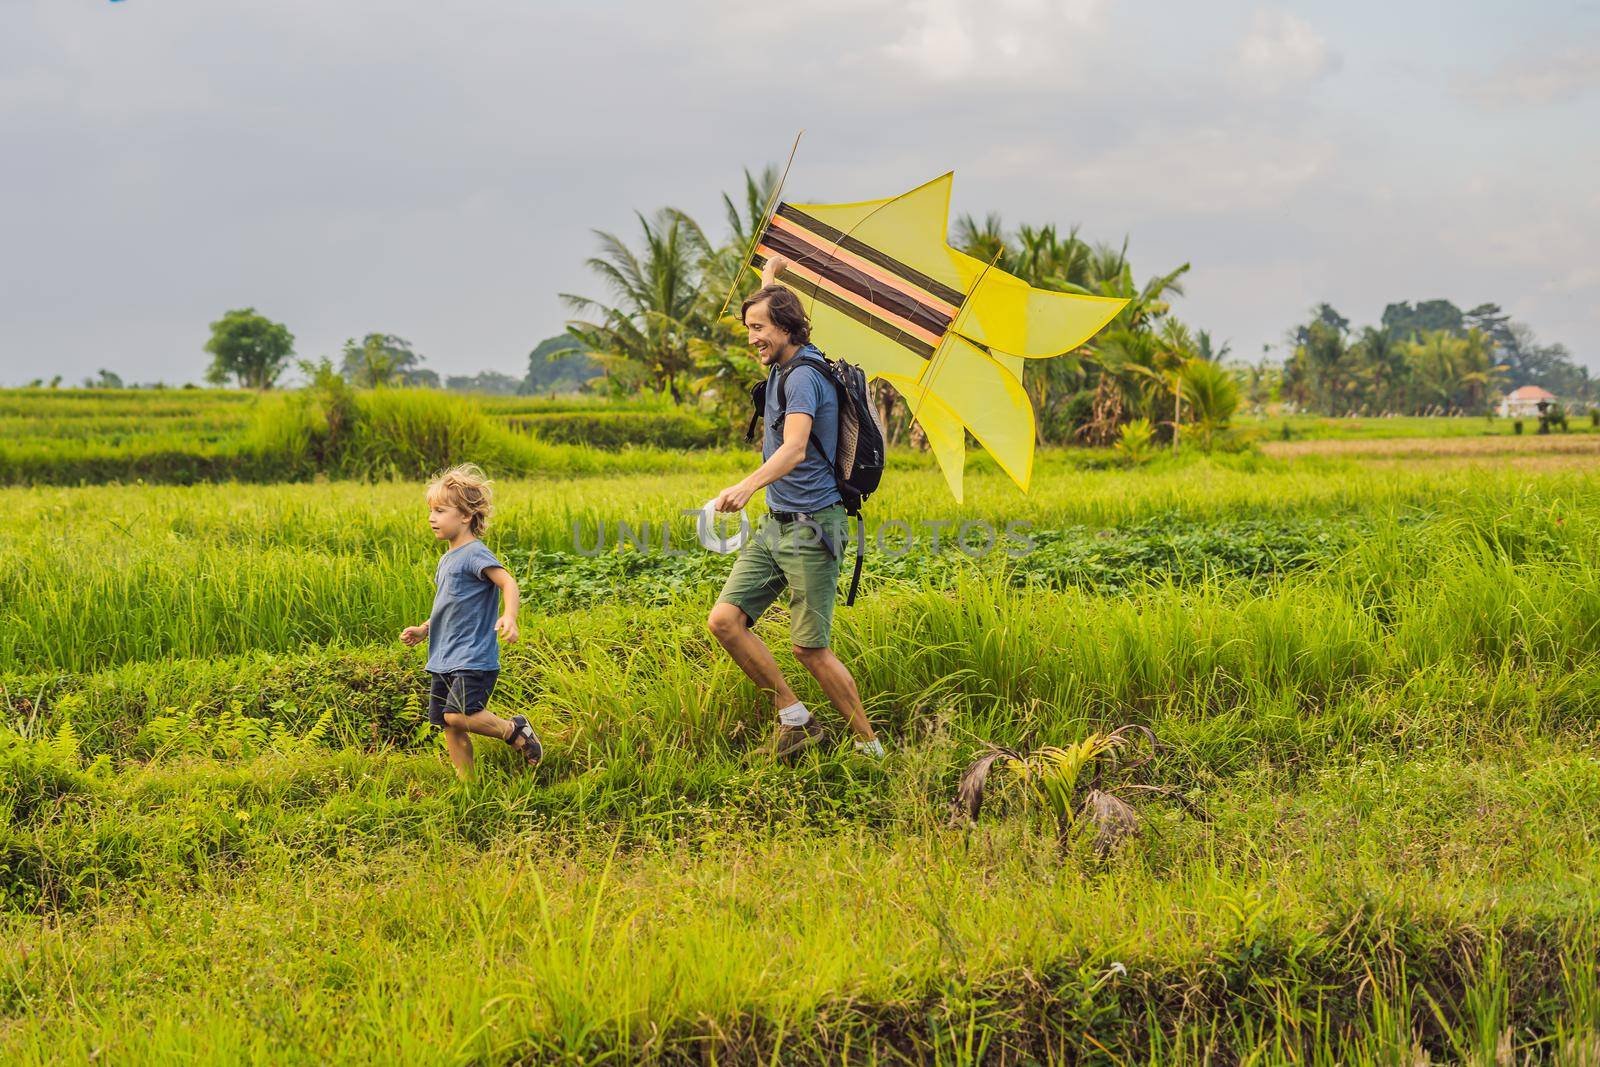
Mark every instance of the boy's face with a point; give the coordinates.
(447, 520)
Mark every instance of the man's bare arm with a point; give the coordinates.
(785, 458)
(770, 272)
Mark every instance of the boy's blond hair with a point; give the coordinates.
(467, 489)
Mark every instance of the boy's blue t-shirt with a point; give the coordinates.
(811, 486)
(461, 633)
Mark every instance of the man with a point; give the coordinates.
(799, 542)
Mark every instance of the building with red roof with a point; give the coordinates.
(1523, 402)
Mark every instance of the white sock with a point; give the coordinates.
(794, 715)
(873, 748)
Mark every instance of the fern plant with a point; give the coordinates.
(232, 734)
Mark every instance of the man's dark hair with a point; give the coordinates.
(785, 310)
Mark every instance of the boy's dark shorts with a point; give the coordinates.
(463, 692)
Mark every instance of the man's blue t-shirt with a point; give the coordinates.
(811, 485)
(461, 633)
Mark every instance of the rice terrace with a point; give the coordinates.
(878, 624)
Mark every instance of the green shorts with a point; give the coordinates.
(792, 554)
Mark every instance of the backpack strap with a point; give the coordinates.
(783, 404)
(861, 545)
(783, 377)
(758, 404)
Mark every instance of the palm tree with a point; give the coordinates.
(985, 241)
(1263, 380)
(661, 302)
(1320, 372)
(1206, 349)
(1479, 375)
(1384, 367)
(1435, 358)
(1139, 361)
(1211, 394)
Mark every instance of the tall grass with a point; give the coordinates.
(1302, 927)
(227, 834)
(107, 575)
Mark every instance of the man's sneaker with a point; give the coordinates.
(789, 741)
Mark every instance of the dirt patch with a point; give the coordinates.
(1497, 445)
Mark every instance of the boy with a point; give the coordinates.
(463, 659)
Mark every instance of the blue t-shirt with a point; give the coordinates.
(461, 626)
(811, 485)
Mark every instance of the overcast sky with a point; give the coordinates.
(434, 169)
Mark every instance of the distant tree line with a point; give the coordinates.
(253, 352)
(1427, 358)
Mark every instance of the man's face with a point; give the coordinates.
(769, 341)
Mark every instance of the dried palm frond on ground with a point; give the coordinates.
(1070, 782)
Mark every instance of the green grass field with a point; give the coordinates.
(1323, 428)
(229, 836)
(184, 436)
(188, 436)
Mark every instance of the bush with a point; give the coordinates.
(613, 430)
(33, 463)
(329, 428)
(1210, 397)
(1075, 413)
(1234, 441)
(1516, 427)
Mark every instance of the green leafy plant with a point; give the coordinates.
(1133, 441)
(1072, 783)
(232, 734)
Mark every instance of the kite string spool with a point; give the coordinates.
(711, 538)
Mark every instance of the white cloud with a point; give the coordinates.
(1550, 76)
(1280, 52)
(1206, 171)
(1579, 280)
(996, 40)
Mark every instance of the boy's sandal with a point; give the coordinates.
(532, 751)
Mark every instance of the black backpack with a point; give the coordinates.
(858, 453)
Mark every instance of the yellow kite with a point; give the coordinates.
(948, 331)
